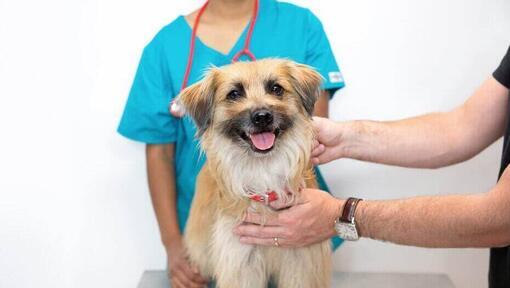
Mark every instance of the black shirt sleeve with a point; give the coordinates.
(502, 73)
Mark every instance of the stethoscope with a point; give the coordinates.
(176, 108)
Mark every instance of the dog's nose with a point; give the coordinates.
(262, 118)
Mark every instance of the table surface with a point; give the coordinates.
(158, 279)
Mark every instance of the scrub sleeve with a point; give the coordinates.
(146, 117)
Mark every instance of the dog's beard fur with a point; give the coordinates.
(245, 172)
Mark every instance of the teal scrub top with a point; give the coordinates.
(281, 30)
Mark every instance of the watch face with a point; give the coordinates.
(346, 231)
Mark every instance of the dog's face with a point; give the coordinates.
(253, 105)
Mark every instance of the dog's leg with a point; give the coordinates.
(236, 265)
(198, 252)
(307, 267)
(198, 233)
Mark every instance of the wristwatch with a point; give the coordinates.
(345, 225)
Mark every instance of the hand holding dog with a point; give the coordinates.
(181, 273)
(329, 139)
(308, 222)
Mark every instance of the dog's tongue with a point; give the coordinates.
(263, 141)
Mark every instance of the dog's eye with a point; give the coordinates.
(277, 90)
(234, 95)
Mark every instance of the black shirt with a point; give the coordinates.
(499, 268)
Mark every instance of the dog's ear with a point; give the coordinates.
(307, 83)
(198, 100)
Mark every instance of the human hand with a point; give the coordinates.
(327, 144)
(310, 221)
(181, 273)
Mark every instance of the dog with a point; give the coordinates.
(254, 120)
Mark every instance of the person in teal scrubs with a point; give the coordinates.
(281, 30)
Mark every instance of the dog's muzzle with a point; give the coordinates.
(259, 128)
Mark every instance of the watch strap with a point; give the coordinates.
(349, 210)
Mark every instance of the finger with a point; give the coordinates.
(176, 282)
(256, 218)
(179, 278)
(179, 275)
(185, 282)
(282, 202)
(277, 205)
(192, 284)
(201, 278)
(263, 241)
(252, 230)
(318, 150)
(193, 277)
(324, 157)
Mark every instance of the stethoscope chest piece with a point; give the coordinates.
(176, 109)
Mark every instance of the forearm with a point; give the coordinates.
(422, 141)
(432, 140)
(442, 221)
(161, 177)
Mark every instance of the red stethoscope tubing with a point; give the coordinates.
(175, 108)
(246, 49)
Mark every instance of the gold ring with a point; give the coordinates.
(275, 242)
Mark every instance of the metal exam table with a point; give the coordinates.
(158, 279)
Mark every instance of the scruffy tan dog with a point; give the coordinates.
(254, 120)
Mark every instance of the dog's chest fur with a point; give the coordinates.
(221, 199)
(242, 175)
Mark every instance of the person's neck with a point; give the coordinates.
(230, 9)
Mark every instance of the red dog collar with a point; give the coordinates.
(265, 198)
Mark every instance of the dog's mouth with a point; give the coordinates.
(261, 141)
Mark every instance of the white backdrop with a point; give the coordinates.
(74, 206)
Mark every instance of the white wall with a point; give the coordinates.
(74, 206)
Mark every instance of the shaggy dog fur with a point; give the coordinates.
(254, 120)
